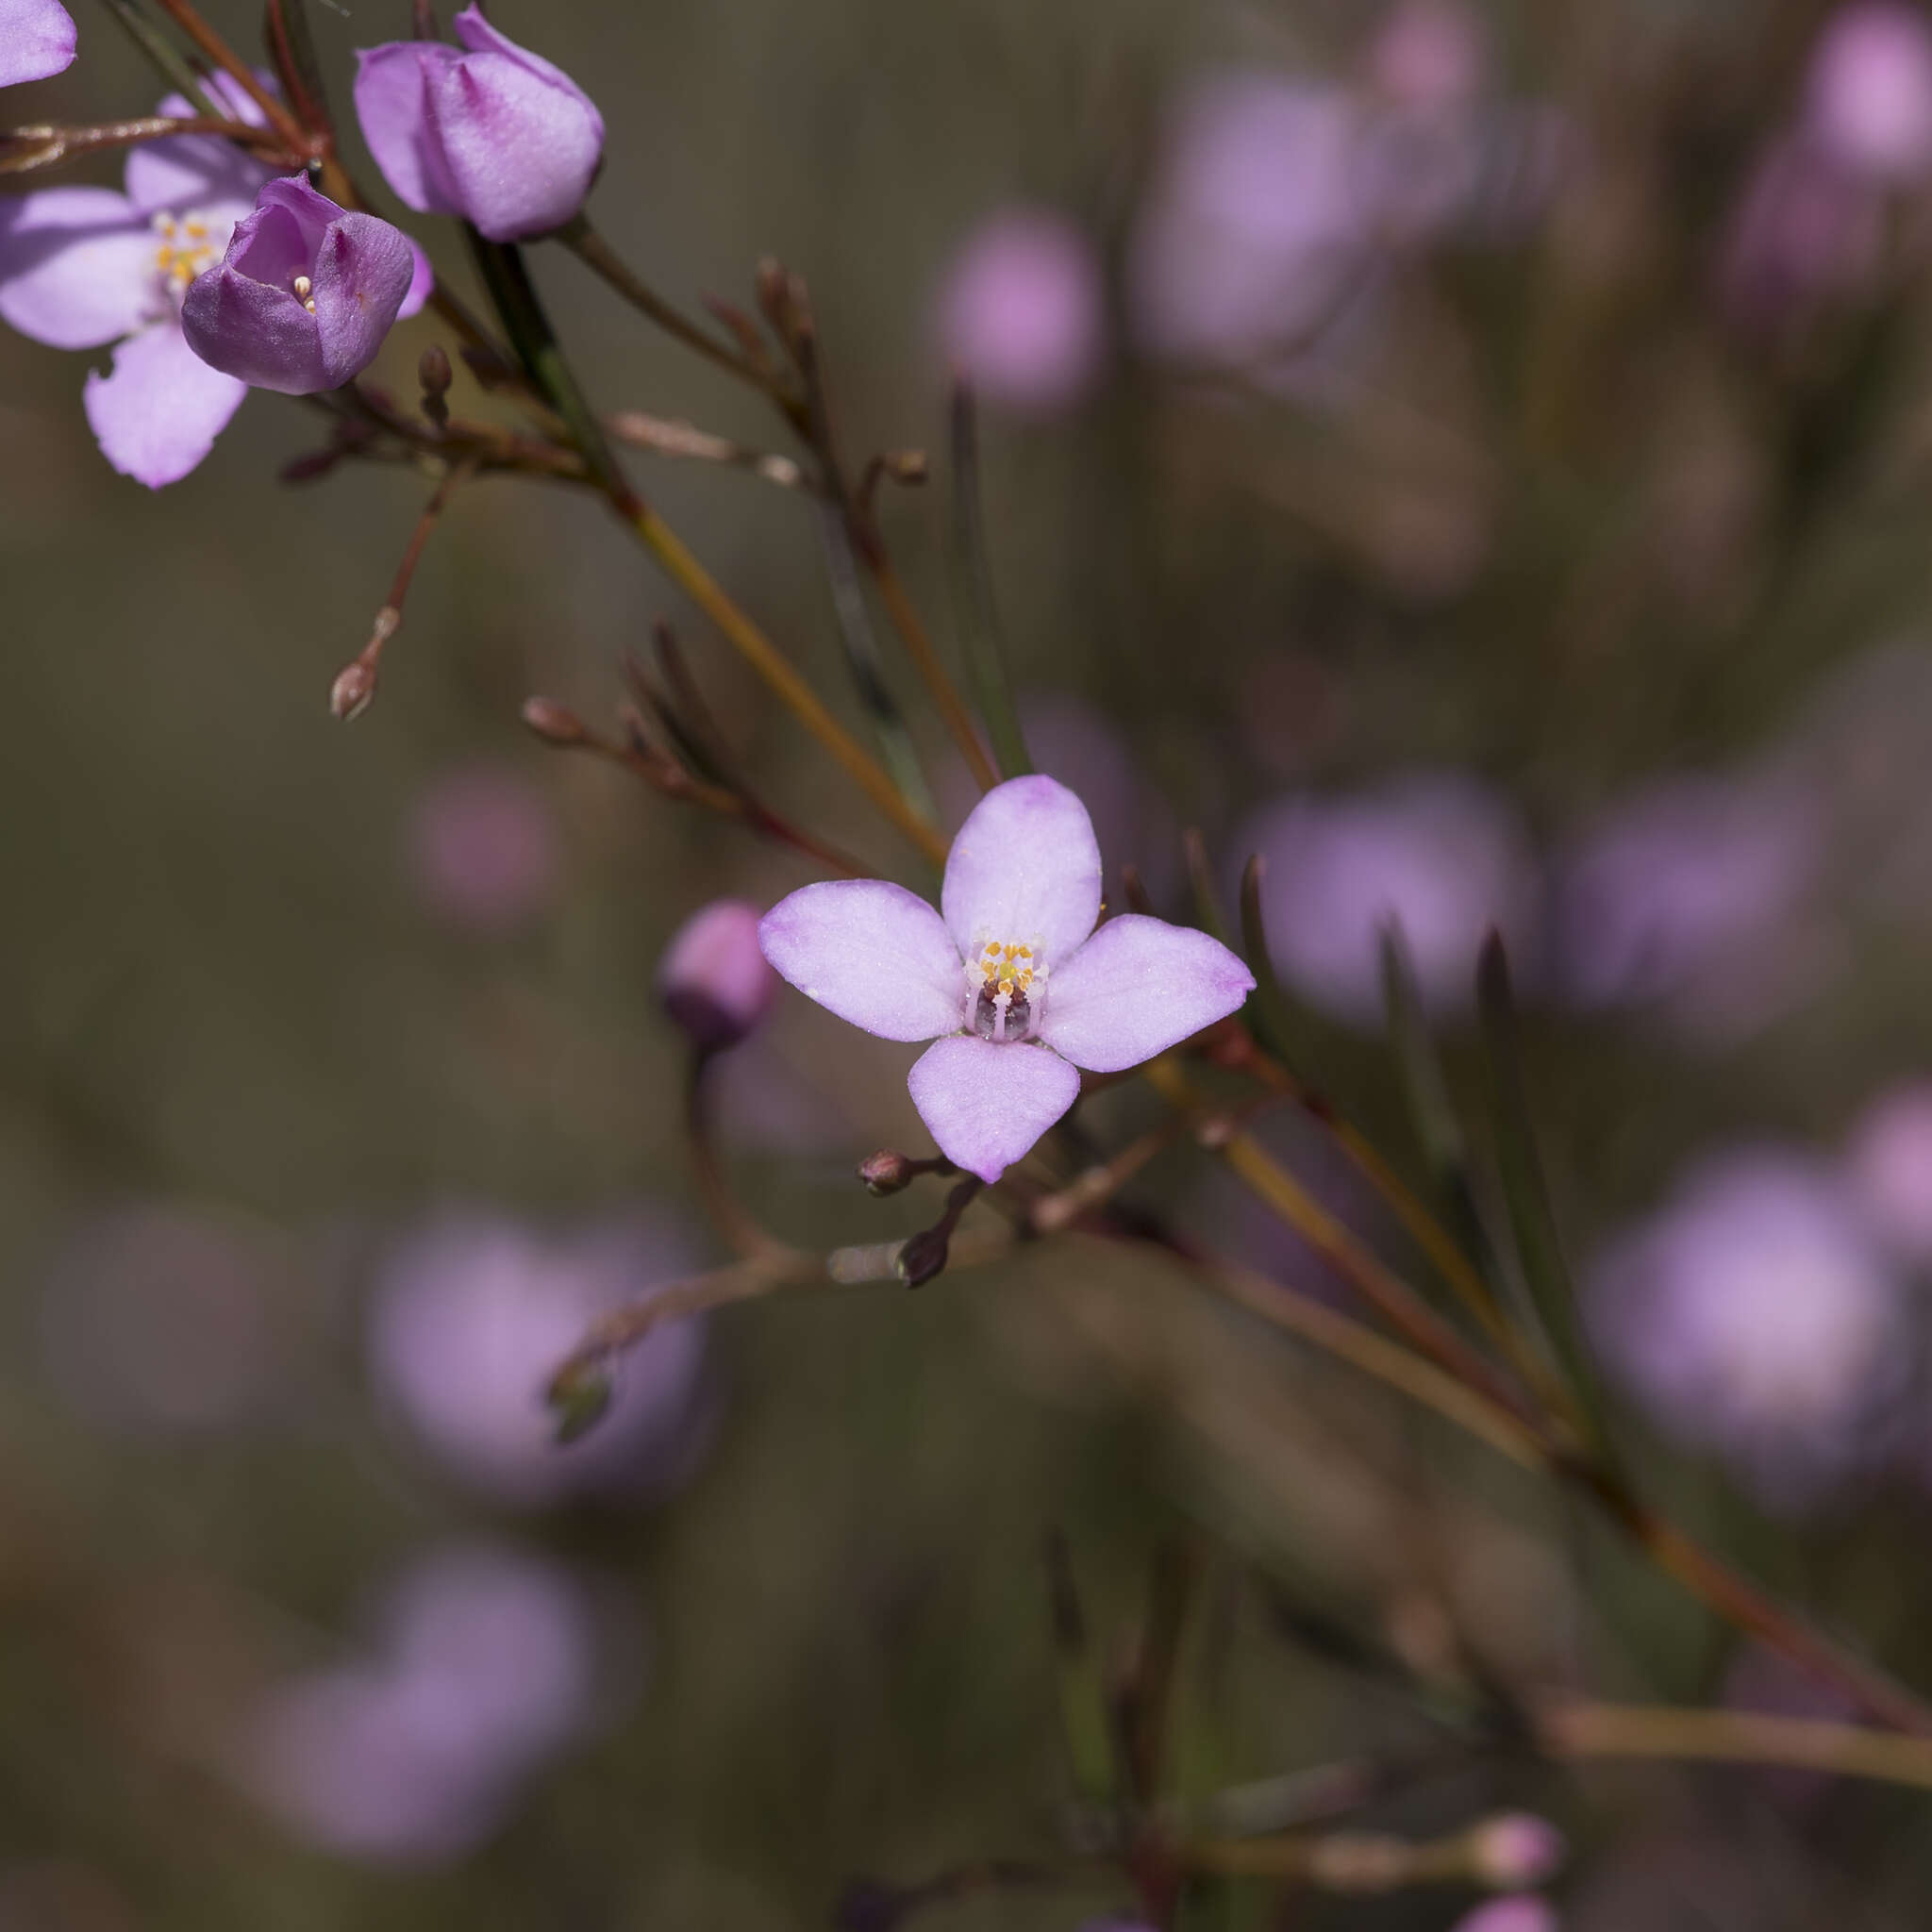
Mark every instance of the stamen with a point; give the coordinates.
(303, 286)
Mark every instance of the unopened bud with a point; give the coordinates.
(886, 1173)
(907, 465)
(713, 980)
(349, 696)
(1515, 1851)
(924, 1257)
(434, 372)
(554, 723)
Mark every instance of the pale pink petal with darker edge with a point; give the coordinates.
(987, 1104)
(871, 953)
(1025, 869)
(1138, 987)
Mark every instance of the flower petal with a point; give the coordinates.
(422, 281)
(1025, 867)
(161, 410)
(254, 331)
(364, 270)
(986, 1105)
(191, 172)
(36, 40)
(520, 144)
(77, 266)
(871, 953)
(1138, 987)
(389, 86)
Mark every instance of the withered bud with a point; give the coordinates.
(553, 723)
(923, 1256)
(907, 465)
(435, 373)
(886, 1173)
(350, 694)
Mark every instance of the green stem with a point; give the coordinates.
(169, 61)
(986, 649)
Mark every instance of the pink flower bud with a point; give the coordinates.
(490, 133)
(713, 980)
(1515, 1851)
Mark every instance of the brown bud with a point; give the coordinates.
(433, 370)
(553, 723)
(924, 1257)
(886, 1173)
(350, 694)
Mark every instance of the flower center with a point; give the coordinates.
(1006, 983)
(188, 245)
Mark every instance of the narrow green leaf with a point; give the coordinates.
(979, 613)
(1532, 1221)
(1269, 1014)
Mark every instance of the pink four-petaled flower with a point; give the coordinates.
(1010, 979)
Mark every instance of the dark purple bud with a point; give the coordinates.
(714, 981)
(488, 132)
(304, 295)
(924, 1256)
(886, 1173)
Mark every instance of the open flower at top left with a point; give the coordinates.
(36, 40)
(82, 267)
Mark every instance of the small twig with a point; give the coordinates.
(665, 438)
(187, 18)
(590, 248)
(729, 1214)
(355, 686)
(27, 150)
(1735, 1737)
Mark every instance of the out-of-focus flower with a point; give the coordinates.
(305, 294)
(1687, 891)
(1436, 853)
(493, 133)
(713, 980)
(1868, 102)
(160, 1317)
(1516, 1850)
(36, 40)
(1806, 232)
(1888, 1168)
(485, 1666)
(482, 847)
(81, 267)
(1023, 311)
(1254, 222)
(1523, 1913)
(1753, 1315)
(1021, 895)
(1428, 54)
(471, 1316)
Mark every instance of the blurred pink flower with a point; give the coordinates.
(1023, 310)
(1428, 54)
(1868, 102)
(1437, 853)
(1253, 223)
(1515, 1850)
(485, 1665)
(1689, 891)
(712, 980)
(1888, 1169)
(1523, 1913)
(164, 1316)
(1753, 1315)
(482, 847)
(1805, 231)
(472, 1313)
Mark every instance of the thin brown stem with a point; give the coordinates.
(669, 439)
(1735, 1737)
(590, 248)
(355, 687)
(187, 18)
(27, 150)
(729, 1215)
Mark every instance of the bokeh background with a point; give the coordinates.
(1477, 455)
